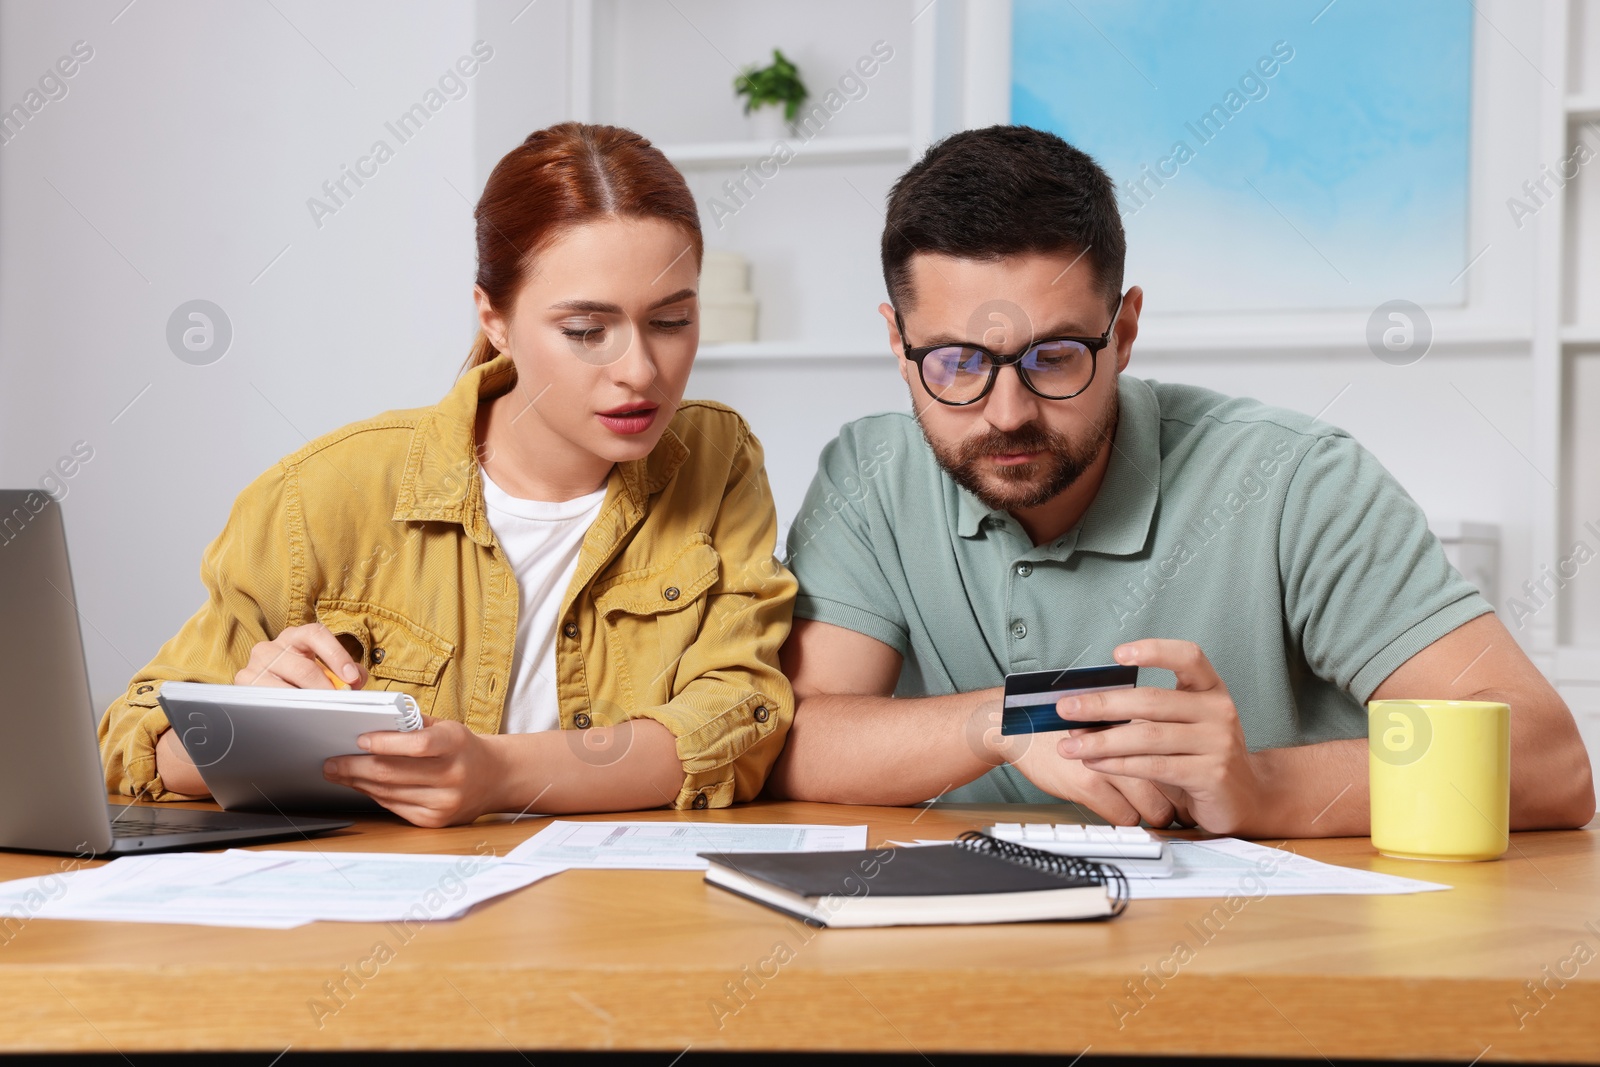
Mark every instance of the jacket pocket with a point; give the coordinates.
(397, 653)
(652, 619)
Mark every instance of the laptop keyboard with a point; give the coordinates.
(136, 827)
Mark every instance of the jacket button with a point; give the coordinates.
(582, 720)
(700, 800)
(762, 714)
(377, 656)
(670, 592)
(144, 689)
(570, 630)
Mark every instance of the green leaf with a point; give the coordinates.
(777, 84)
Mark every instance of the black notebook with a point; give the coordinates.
(976, 879)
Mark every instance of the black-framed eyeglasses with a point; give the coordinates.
(1055, 368)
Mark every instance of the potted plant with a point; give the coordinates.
(765, 88)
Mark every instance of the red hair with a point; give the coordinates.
(562, 176)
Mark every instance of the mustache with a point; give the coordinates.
(1029, 438)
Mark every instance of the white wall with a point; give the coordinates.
(178, 166)
(180, 163)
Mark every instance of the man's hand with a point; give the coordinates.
(1187, 740)
(1120, 801)
(441, 775)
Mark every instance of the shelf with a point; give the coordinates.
(710, 155)
(719, 351)
(1581, 334)
(1329, 334)
(1583, 108)
(1184, 339)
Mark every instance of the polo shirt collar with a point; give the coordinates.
(970, 512)
(1118, 520)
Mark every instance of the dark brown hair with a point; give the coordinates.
(562, 176)
(1001, 191)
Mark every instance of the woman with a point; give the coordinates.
(560, 542)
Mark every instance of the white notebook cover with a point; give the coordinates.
(261, 748)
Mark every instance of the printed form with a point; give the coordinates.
(672, 846)
(1224, 867)
(279, 889)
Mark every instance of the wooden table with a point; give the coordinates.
(658, 960)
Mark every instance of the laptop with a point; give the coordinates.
(52, 784)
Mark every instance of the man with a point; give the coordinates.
(1041, 509)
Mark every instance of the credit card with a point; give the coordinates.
(1030, 701)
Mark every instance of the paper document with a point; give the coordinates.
(1227, 867)
(271, 890)
(672, 846)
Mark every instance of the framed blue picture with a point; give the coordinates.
(1269, 155)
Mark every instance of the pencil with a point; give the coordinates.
(338, 682)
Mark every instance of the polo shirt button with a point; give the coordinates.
(1024, 569)
(762, 714)
(670, 592)
(1019, 629)
(700, 800)
(582, 720)
(570, 630)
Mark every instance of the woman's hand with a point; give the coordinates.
(176, 770)
(291, 660)
(441, 775)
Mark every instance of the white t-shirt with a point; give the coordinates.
(541, 542)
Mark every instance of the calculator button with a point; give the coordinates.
(1071, 839)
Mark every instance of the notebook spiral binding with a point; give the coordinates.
(410, 714)
(1106, 874)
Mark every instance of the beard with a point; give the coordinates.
(1017, 487)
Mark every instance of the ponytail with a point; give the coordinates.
(481, 353)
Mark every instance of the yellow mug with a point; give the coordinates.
(1441, 778)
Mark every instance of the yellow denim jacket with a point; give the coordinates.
(378, 530)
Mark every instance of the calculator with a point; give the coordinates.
(1136, 850)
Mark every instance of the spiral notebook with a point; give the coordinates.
(261, 748)
(976, 879)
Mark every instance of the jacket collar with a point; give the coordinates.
(442, 482)
(1118, 520)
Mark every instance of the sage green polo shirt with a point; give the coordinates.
(1273, 541)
